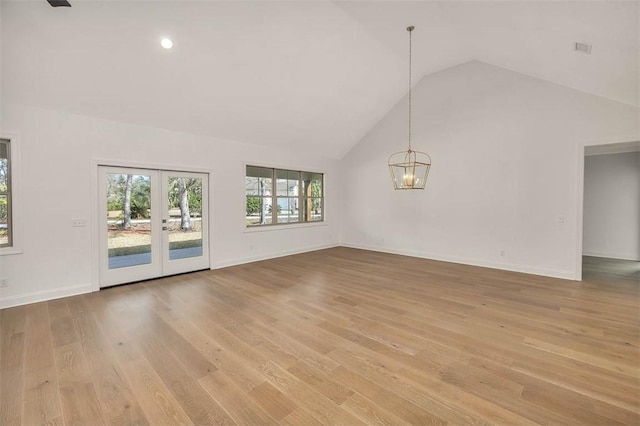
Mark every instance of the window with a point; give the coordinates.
(6, 234)
(277, 197)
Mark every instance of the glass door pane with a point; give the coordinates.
(130, 243)
(184, 223)
(185, 244)
(128, 219)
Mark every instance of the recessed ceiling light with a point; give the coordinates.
(166, 43)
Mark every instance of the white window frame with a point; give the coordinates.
(16, 196)
(274, 200)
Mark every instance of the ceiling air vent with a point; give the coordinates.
(59, 3)
(583, 48)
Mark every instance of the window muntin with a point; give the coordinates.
(6, 230)
(294, 196)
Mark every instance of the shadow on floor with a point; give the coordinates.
(604, 268)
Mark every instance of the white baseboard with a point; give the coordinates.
(273, 255)
(41, 296)
(567, 275)
(611, 255)
(45, 295)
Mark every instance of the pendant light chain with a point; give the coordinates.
(410, 29)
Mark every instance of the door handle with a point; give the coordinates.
(164, 228)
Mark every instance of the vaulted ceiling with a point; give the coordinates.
(306, 75)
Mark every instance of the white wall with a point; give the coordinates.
(58, 151)
(505, 150)
(612, 205)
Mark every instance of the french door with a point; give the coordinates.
(153, 223)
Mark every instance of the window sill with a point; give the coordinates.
(282, 227)
(8, 251)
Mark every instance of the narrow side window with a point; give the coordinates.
(6, 233)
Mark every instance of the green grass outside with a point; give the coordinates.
(124, 251)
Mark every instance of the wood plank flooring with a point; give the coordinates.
(338, 336)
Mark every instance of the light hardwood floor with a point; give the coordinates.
(338, 336)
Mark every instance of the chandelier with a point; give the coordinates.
(409, 169)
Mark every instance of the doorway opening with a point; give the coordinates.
(611, 212)
(153, 223)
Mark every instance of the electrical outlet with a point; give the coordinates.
(503, 252)
(4, 282)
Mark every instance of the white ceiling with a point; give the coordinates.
(310, 75)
